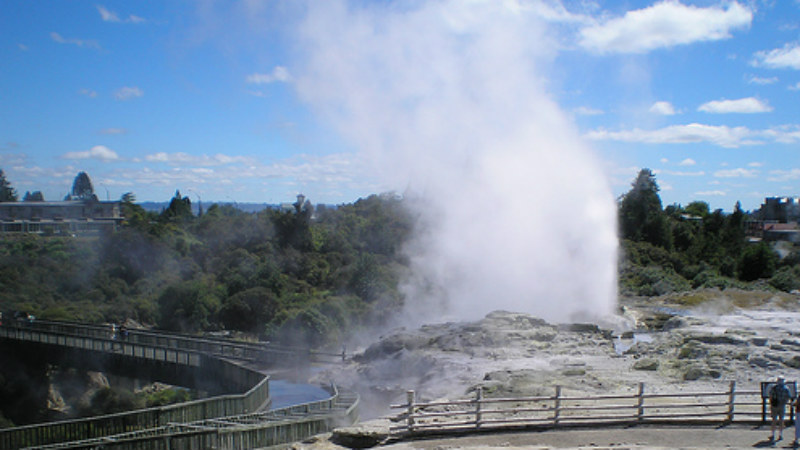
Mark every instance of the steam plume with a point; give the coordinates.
(448, 98)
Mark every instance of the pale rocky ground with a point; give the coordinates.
(696, 341)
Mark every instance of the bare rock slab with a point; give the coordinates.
(362, 435)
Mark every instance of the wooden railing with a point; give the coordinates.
(183, 425)
(237, 378)
(111, 424)
(559, 410)
(221, 347)
(250, 351)
(240, 432)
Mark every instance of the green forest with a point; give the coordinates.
(675, 248)
(312, 275)
(276, 274)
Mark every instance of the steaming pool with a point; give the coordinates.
(622, 345)
(285, 393)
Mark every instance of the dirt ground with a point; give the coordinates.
(612, 438)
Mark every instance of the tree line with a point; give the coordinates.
(676, 248)
(81, 190)
(304, 275)
(313, 274)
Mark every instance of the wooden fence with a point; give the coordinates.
(236, 377)
(559, 410)
(141, 338)
(221, 347)
(110, 424)
(209, 355)
(247, 431)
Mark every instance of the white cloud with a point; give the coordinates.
(784, 175)
(662, 25)
(181, 158)
(711, 193)
(787, 57)
(114, 182)
(88, 92)
(736, 173)
(555, 12)
(111, 16)
(755, 164)
(749, 105)
(681, 134)
(100, 152)
(687, 162)
(795, 87)
(588, 111)
(127, 93)
(278, 74)
(107, 15)
(663, 108)
(685, 174)
(23, 47)
(762, 81)
(785, 134)
(324, 173)
(664, 160)
(89, 43)
(720, 135)
(113, 131)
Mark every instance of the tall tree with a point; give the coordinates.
(757, 261)
(179, 208)
(35, 196)
(7, 193)
(698, 209)
(641, 217)
(732, 235)
(82, 188)
(294, 229)
(134, 214)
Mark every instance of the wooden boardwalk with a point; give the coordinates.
(222, 359)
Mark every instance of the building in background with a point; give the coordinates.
(780, 210)
(67, 217)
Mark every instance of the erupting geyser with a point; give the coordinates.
(448, 98)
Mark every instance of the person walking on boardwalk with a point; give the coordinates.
(778, 398)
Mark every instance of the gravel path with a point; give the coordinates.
(616, 438)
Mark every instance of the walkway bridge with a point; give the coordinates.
(215, 366)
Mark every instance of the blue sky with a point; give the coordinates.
(208, 97)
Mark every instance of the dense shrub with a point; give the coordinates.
(787, 278)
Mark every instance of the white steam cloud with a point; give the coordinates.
(448, 98)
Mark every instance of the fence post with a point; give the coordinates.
(478, 401)
(556, 406)
(640, 403)
(731, 396)
(410, 419)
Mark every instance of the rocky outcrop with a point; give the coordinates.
(512, 354)
(363, 435)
